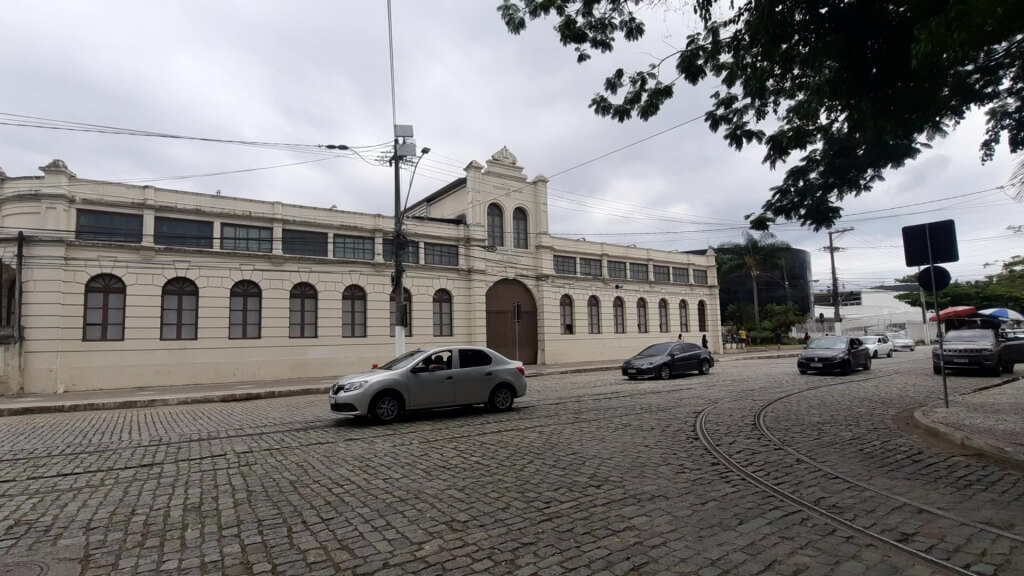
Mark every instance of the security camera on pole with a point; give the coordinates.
(405, 147)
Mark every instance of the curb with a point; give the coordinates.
(990, 447)
(610, 367)
(88, 405)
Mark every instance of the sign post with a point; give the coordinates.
(933, 243)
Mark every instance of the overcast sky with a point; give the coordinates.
(316, 72)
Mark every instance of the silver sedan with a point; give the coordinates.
(425, 379)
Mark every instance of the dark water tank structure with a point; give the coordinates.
(794, 269)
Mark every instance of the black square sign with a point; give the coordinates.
(940, 235)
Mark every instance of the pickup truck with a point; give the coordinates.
(978, 349)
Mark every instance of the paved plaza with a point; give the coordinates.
(590, 474)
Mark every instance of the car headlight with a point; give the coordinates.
(353, 386)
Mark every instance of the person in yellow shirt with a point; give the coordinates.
(743, 336)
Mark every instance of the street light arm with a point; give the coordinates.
(423, 153)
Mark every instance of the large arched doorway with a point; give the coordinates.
(510, 334)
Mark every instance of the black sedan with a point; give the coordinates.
(667, 360)
(834, 354)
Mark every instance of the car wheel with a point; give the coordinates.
(705, 368)
(889, 355)
(665, 372)
(802, 371)
(502, 398)
(936, 368)
(847, 367)
(874, 354)
(911, 348)
(385, 407)
(995, 370)
(867, 365)
(1008, 368)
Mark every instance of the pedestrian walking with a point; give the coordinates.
(704, 341)
(807, 338)
(680, 338)
(778, 339)
(743, 335)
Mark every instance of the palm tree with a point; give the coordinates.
(751, 256)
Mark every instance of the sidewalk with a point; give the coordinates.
(988, 420)
(233, 392)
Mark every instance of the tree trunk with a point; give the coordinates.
(757, 312)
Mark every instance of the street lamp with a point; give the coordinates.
(423, 152)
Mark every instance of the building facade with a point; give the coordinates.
(107, 285)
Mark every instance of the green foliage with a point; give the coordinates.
(780, 317)
(848, 89)
(740, 315)
(751, 256)
(1004, 289)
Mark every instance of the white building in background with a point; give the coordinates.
(873, 310)
(122, 286)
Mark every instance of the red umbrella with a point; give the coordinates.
(954, 312)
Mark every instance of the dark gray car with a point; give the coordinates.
(834, 354)
(978, 349)
(668, 359)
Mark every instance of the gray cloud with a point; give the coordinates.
(316, 72)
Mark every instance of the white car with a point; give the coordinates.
(901, 342)
(878, 345)
(431, 378)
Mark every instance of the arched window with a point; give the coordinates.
(702, 316)
(302, 311)
(594, 315)
(406, 316)
(619, 312)
(520, 229)
(663, 315)
(684, 316)
(180, 308)
(246, 310)
(565, 308)
(495, 225)
(353, 312)
(104, 308)
(641, 316)
(442, 313)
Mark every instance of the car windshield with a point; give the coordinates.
(897, 336)
(402, 361)
(869, 339)
(656, 350)
(969, 336)
(828, 343)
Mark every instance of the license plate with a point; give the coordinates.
(631, 371)
(815, 364)
(959, 359)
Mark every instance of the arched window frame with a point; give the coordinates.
(103, 318)
(443, 303)
(663, 325)
(641, 316)
(619, 313)
(246, 311)
(495, 225)
(566, 314)
(353, 312)
(179, 309)
(520, 228)
(684, 316)
(702, 316)
(594, 315)
(303, 309)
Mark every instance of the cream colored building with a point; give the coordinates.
(123, 286)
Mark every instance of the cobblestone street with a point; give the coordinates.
(590, 474)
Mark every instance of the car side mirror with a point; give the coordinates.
(419, 369)
(672, 354)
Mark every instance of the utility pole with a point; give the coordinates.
(404, 146)
(835, 280)
(924, 311)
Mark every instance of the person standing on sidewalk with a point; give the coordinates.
(704, 341)
(743, 336)
(778, 339)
